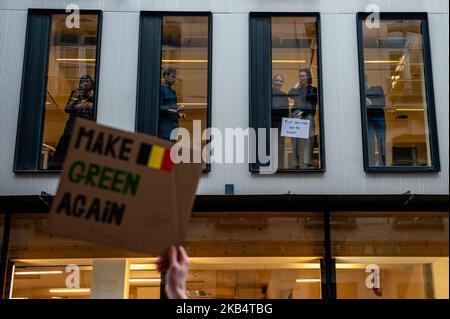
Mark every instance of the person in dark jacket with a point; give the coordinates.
(280, 109)
(376, 124)
(79, 105)
(305, 101)
(169, 111)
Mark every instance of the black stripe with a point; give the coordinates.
(144, 153)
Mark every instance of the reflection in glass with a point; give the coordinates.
(70, 85)
(243, 255)
(392, 278)
(45, 280)
(253, 278)
(184, 74)
(294, 90)
(391, 255)
(395, 96)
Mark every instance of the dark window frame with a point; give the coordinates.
(429, 92)
(149, 70)
(253, 103)
(26, 137)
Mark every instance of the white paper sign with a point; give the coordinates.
(297, 128)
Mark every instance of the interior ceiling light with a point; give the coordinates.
(184, 61)
(288, 61)
(43, 272)
(75, 60)
(143, 280)
(142, 267)
(308, 280)
(381, 61)
(69, 290)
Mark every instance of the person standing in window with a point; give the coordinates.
(280, 109)
(376, 124)
(79, 105)
(169, 111)
(305, 101)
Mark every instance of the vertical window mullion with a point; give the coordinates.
(29, 129)
(260, 79)
(328, 264)
(429, 87)
(148, 74)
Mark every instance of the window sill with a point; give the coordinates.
(402, 169)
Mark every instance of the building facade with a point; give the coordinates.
(364, 193)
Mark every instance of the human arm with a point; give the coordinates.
(77, 104)
(311, 96)
(293, 92)
(176, 267)
(375, 97)
(168, 101)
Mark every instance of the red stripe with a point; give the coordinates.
(167, 164)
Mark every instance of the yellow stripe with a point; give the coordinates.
(156, 157)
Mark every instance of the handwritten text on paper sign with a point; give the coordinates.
(297, 128)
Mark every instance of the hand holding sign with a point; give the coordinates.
(176, 267)
(122, 189)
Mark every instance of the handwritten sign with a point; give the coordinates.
(297, 128)
(122, 189)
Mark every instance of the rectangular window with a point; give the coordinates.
(59, 85)
(397, 103)
(391, 255)
(174, 73)
(285, 88)
(271, 256)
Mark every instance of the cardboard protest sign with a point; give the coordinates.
(123, 189)
(298, 128)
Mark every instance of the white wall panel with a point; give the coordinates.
(118, 70)
(230, 96)
(236, 6)
(439, 26)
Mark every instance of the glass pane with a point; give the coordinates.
(43, 263)
(295, 92)
(2, 229)
(271, 255)
(40, 261)
(144, 279)
(391, 255)
(46, 279)
(184, 75)
(245, 256)
(395, 94)
(70, 85)
(254, 278)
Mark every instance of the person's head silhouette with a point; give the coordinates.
(86, 83)
(305, 77)
(170, 75)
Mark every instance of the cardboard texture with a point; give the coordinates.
(122, 189)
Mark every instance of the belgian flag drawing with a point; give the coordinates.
(154, 156)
